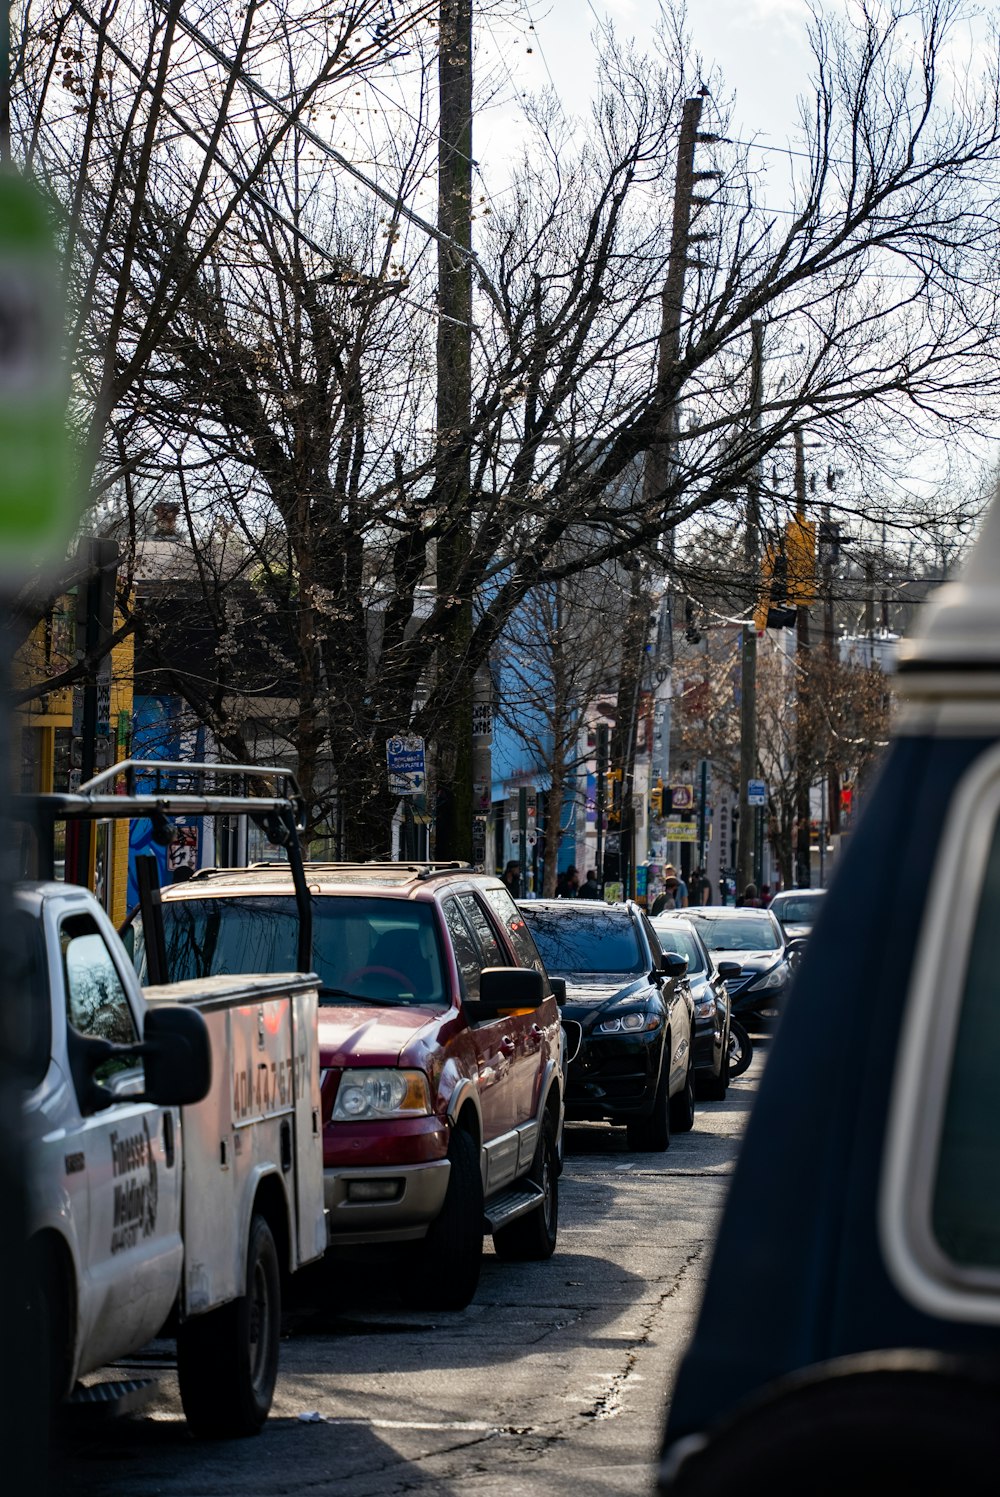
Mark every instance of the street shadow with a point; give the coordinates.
(140, 1456)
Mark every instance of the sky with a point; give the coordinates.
(760, 46)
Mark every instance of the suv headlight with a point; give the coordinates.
(776, 978)
(628, 1023)
(364, 1095)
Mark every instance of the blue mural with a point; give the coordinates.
(161, 731)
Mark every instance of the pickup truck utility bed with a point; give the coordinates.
(176, 1159)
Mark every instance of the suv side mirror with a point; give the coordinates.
(729, 970)
(674, 965)
(177, 1056)
(502, 988)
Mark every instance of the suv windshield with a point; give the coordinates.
(755, 933)
(377, 950)
(585, 940)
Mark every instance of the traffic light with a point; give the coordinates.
(779, 614)
(614, 797)
(656, 799)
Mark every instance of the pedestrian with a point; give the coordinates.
(511, 876)
(672, 895)
(765, 895)
(751, 899)
(590, 888)
(681, 896)
(568, 883)
(700, 889)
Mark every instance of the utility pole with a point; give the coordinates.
(803, 859)
(454, 411)
(659, 459)
(748, 676)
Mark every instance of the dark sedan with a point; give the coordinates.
(635, 1064)
(755, 940)
(711, 1004)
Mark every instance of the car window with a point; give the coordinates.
(582, 940)
(508, 913)
(795, 911)
(493, 954)
(96, 1003)
(755, 933)
(655, 944)
(377, 950)
(685, 943)
(965, 1210)
(465, 946)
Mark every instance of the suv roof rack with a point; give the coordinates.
(422, 870)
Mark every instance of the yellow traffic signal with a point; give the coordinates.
(656, 799)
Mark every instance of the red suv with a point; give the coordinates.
(440, 1045)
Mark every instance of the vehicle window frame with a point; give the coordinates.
(499, 941)
(504, 894)
(450, 900)
(114, 1071)
(921, 1270)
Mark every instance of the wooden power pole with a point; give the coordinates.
(748, 680)
(454, 809)
(656, 476)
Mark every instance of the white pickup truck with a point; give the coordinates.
(176, 1159)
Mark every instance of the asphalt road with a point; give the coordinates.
(554, 1381)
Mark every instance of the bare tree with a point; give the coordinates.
(210, 308)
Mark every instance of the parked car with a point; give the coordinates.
(711, 1003)
(754, 940)
(796, 910)
(440, 1047)
(635, 1064)
(849, 1333)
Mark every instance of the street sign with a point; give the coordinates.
(38, 511)
(682, 797)
(682, 831)
(404, 757)
(756, 793)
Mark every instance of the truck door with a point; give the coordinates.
(131, 1155)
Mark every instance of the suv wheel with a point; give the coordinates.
(533, 1237)
(450, 1256)
(652, 1134)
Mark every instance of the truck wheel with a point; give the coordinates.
(651, 1135)
(533, 1237)
(227, 1359)
(450, 1256)
(682, 1106)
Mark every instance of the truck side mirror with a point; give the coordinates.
(558, 986)
(505, 988)
(177, 1056)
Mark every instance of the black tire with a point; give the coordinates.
(908, 1422)
(710, 1087)
(448, 1260)
(740, 1049)
(682, 1106)
(651, 1135)
(227, 1359)
(532, 1238)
